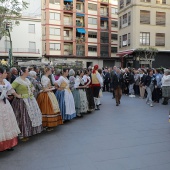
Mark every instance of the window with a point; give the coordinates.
(66, 33)
(129, 18)
(54, 1)
(129, 39)
(121, 4)
(125, 40)
(160, 39)
(144, 38)
(120, 41)
(144, 17)
(54, 16)
(92, 6)
(92, 34)
(114, 10)
(31, 28)
(160, 18)
(92, 48)
(113, 49)
(114, 23)
(161, 1)
(92, 21)
(128, 2)
(102, 23)
(125, 19)
(54, 46)
(32, 46)
(78, 6)
(114, 36)
(145, 0)
(54, 31)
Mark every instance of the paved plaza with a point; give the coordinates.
(132, 136)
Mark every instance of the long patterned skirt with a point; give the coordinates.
(83, 101)
(90, 99)
(9, 129)
(66, 104)
(76, 96)
(23, 116)
(49, 107)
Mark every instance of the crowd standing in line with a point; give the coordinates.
(32, 102)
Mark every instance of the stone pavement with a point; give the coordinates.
(132, 136)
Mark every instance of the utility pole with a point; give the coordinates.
(10, 50)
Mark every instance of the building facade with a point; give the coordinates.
(142, 24)
(80, 30)
(26, 41)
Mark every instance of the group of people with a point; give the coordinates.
(152, 84)
(31, 103)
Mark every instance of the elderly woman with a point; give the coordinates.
(37, 85)
(166, 86)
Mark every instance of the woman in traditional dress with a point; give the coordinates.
(26, 109)
(89, 93)
(48, 103)
(82, 98)
(37, 85)
(9, 129)
(65, 97)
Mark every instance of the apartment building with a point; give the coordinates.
(26, 41)
(142, 24)
(80, 30)
(26, 37)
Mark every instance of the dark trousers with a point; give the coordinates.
(96, 90)
(106, 86)
(157, 93)
(118, 94)
(136, 89)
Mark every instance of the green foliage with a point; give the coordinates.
(10, 12)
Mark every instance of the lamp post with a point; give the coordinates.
(10, 50)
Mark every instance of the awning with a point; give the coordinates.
(79, 14)
(81, 30)
(104, 19)
(123, 53)
(68, 0)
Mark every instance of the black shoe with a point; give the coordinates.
(11, 149)
(117, 104)
(97, 107)
(165, 103)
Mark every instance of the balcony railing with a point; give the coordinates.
(20, 50)
(80, 40)
(68, 23)
(104, 54)
(105, 1)
(79, 24)
(80, 53)
(103, 13)
(68, 38)
(68, 52)
(104, 27)
(68, 7)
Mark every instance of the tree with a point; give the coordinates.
(10, 12)
(147, 54)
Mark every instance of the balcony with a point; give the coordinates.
(79, 24)
(104, 1)
(80, 50)
(68, 38)
(68, 23)
(20, 50)
(68, 52)
(103, 14)
(80, 40)
(104, 27)
(68, 7)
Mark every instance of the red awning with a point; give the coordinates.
(123, 53)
